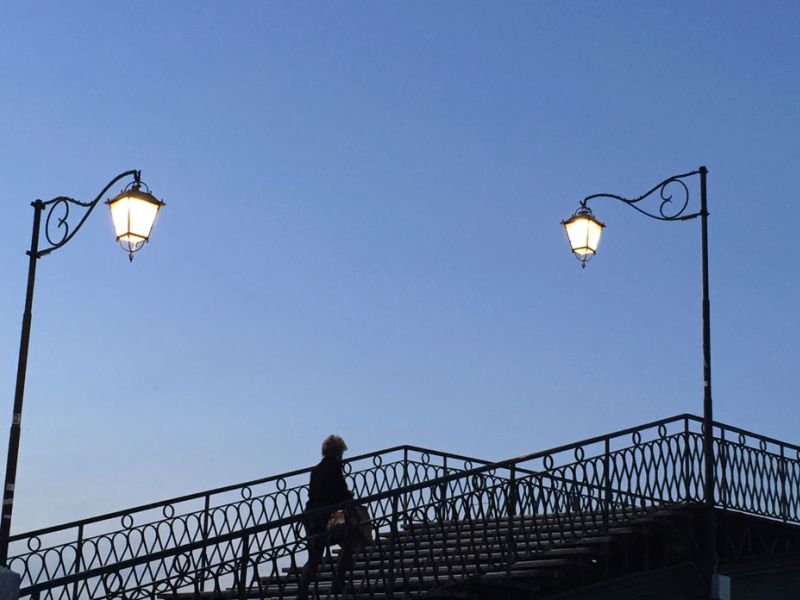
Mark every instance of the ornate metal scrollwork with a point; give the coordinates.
(672, 192)
(57, 228)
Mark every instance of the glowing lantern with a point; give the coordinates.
(134, 213)
(583, 233)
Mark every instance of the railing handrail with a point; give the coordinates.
(745, 432)
(593, 440)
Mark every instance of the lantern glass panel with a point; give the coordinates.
(133, 218)
(584, 234)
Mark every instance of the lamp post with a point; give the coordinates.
(584, 231)
(133, 212)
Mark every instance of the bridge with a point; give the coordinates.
(614, 516)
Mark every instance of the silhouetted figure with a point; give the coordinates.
(326, 487)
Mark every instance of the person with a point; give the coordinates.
(327, 487)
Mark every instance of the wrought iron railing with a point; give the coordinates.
(54, 552)
(215, 540)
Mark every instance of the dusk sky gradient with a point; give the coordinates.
(362, 233)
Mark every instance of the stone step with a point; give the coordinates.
(503, 523)
(500, 528)
(465, 540)
(578, 546)
(436, 534)
(439, 549)
(619, 514)
(426, 582)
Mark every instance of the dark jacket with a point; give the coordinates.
(327, 485)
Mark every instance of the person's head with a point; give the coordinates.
(333, 447)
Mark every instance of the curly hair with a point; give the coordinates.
(333, 446)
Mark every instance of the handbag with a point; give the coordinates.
(363, 524)
(337, 527)
(356, 522)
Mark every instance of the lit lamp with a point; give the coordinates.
(672, 199)
(583, 233)
(134, 212)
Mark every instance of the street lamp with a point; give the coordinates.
(583, 233)
(133, 212)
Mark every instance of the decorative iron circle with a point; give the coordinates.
(548, 462)
(162, 587)
(425, 458)
(347, 468)
(797, 453)
(181, 564)
(742, 439)
(127, 521)
(377, 460)
(34, 543)
(478, 481)
(280, 484)
(168, 511)
(637, 438)
(579, 453)
(221, 570)
(246, 492)
(468, 465)
(110, 578)
(662, 431)
(762, 444)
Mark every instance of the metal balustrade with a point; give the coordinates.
(499, 519)
(54, 552)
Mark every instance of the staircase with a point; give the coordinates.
(446, 525)
(455, 556)
(534, 556)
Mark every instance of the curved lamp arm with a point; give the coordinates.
(672, 208)
(59, 232)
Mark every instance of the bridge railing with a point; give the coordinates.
(655, 464)
(756, 474)
(54, 552)
(254, 558)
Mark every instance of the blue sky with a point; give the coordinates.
(362, 231)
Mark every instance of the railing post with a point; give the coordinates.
(784, 499)
(606, 483)
(443, 493)
(392, 542)
(511, 509)
(723, 459)
(511, 500)
(687, 466)
(204, 553)
(242, 588)
(78, 560)
(405, 482)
